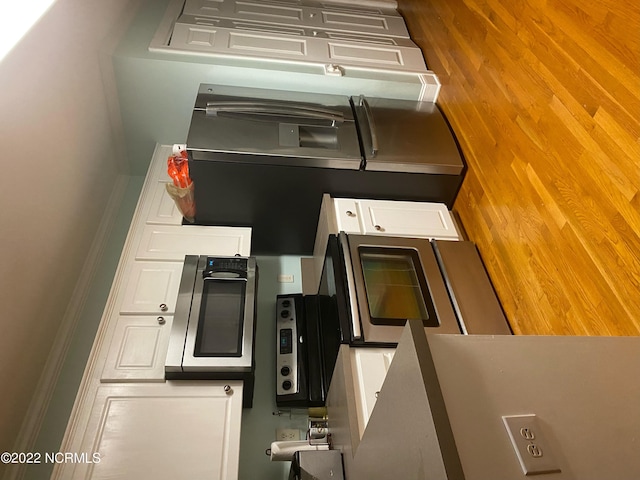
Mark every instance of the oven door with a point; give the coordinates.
(391, 280)
(221, 322)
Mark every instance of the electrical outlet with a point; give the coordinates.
(284, 434)
(532, 449)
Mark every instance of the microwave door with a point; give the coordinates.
(220, 331)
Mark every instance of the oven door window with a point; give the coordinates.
(221, 318)
(395, 286)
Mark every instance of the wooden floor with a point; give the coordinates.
(544, 97)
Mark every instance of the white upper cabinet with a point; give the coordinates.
(172, 243)
(388, 217)
(406, 219)
(128, 422)
(172, 431)
(138, 349)
(151, 288)
(163, 209)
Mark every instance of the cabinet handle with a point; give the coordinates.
(378, 228)
(163, 307)
(350, 213)
(228, 390)
(161, 320)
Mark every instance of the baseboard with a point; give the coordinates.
(40, 401)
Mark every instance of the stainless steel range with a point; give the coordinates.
(212, 336)
(370, 287)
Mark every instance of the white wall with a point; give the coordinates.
(61, 159)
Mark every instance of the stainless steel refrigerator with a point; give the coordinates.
(263, 158)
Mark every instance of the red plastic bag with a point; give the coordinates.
(182, 188)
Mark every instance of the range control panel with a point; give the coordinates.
(287, 335)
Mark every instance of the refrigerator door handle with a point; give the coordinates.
(372, 126)
(274, 111)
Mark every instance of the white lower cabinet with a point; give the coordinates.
(138, 349)
(370, 366)
(174, 431)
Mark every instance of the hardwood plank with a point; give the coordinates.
(544, 97)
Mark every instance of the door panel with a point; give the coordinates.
(307, 14)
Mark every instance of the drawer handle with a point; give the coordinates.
(350, 213)
(161, 320)
(163, 307)
(228, 390)
(378, 228)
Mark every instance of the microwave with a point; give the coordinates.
(370, 286)
(212, 335)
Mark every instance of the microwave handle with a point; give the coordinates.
(351, 288)
(226, 275)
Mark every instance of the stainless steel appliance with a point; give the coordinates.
(317, 465)
(264, 158)
(370, 287)
(212, 336)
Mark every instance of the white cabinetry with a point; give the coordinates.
(379, 217)
(173, 431)
(370, 366)
(141, 336)
(151, 287)
(138, 349)
(404, 219)
(139, 425)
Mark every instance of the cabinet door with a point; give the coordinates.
(409, 219)
(347, 215)
(163, 209)
(138, 349)
(325, 16)
(168, 242)
(151, 287)
(174, 431)
(370, 366)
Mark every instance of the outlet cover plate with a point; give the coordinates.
(531, 447)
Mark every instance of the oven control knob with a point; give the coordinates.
(284, 313)
(286, 303)
(284, 371)
(286, 385)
